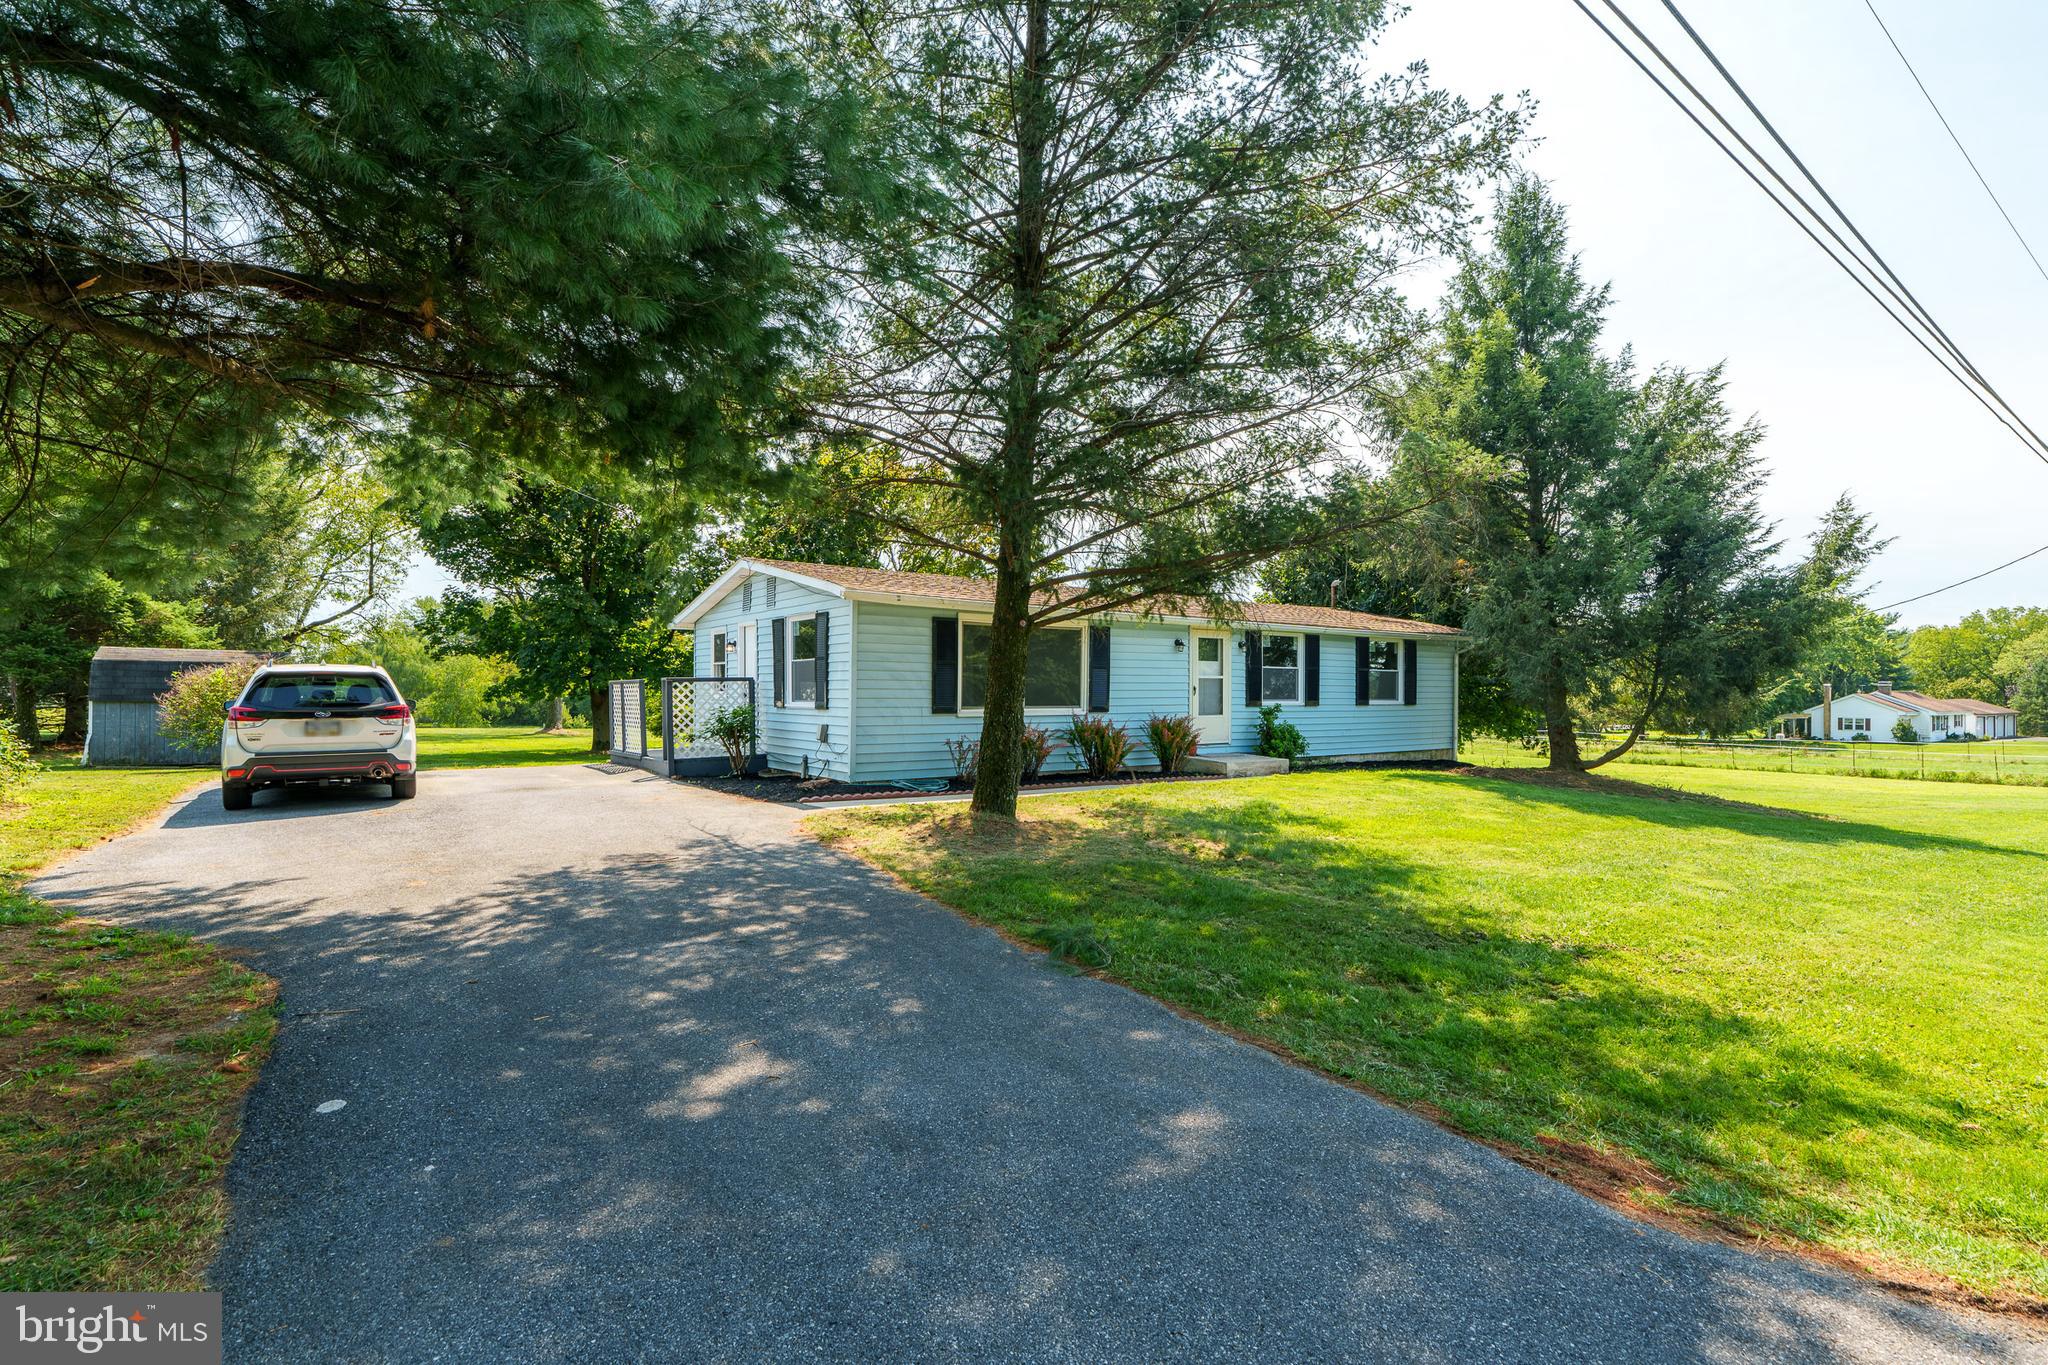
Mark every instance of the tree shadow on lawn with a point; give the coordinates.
(1677, 808)
(747, 1094)
(1381, 970)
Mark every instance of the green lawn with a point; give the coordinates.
(2018, 762)
(124, 1056)
(501, 746)
(1832, 1029)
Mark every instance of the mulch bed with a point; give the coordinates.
(796, 791)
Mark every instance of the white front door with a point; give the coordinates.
(748, 663)
(1209, 687)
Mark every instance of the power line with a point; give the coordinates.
(1961, 581)
(1850, 266)
(2018, 236)
(1784, 207)
(1921, 311)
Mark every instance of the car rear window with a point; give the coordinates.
(290, 691)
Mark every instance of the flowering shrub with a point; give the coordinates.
(1173, 741)
(190, 712)
(1102, 746)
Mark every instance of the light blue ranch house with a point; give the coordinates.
(864, 674)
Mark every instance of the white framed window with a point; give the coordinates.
(1384, 659)
(721, 650)
(803, 658)
(1853, 724)
(1055, 667)
(1280, 667)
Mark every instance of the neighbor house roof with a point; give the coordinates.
(842, 580)
(1903, 701)
(1969, 704)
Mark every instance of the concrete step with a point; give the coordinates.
(1237, 765)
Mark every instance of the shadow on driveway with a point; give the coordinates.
(634, 1071)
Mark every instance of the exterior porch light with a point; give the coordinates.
(1180, 644)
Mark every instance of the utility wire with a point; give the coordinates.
(2035, 447)
(1961, 581)
(1925, 316)
(2018, 236)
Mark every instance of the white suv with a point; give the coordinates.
(313, 723)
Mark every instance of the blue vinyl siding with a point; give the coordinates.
(789, 734)
(1339, 726)
(898, 735)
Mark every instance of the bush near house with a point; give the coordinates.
(1172, 740)
(1903, 731)
(1279, 738)
(1103, 746)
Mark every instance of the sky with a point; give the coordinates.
(1704, 269)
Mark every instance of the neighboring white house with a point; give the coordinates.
(1873, 715)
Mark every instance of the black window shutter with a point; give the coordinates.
(1408, 673)
(823, 655)
(1254, 680)
(1311, 670)
(1098, 668)
(945, 665)
(781, 656)
(1363, 696)
(717, 669)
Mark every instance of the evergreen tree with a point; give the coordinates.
(1152, 280)
(554, 233)
(1618, 558)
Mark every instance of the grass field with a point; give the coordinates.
(1828, 1029)
(2020, 762)
(500, 746)
(124, 1056)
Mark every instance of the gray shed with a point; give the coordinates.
(121, 692)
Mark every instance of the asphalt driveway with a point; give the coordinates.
(635, 1071)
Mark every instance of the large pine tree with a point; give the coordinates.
(1617, 559)
(1151, 281)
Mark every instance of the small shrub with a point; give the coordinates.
(192, 709)
(966, 755)
(1903, 731)
(1038, 747)
(16, 763)
(1078, 942)
(1859, 738)
(1279, 738)
(1173, 741)
(1103, 746)
(734, 731)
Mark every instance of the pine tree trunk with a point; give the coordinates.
(25, 712)
(601, 719)
(1557, 724)
(1001, 766)
(74, 715)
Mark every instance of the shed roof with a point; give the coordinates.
(842, 579)
(138, 673)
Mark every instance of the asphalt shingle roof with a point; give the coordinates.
(961, 587)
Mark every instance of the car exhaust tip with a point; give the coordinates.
(380, 773)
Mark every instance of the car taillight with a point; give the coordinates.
(397, 711)
(245, 715)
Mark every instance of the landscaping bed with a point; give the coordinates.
(788, 789)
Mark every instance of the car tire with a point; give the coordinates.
(236, 796)
(405, 788)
